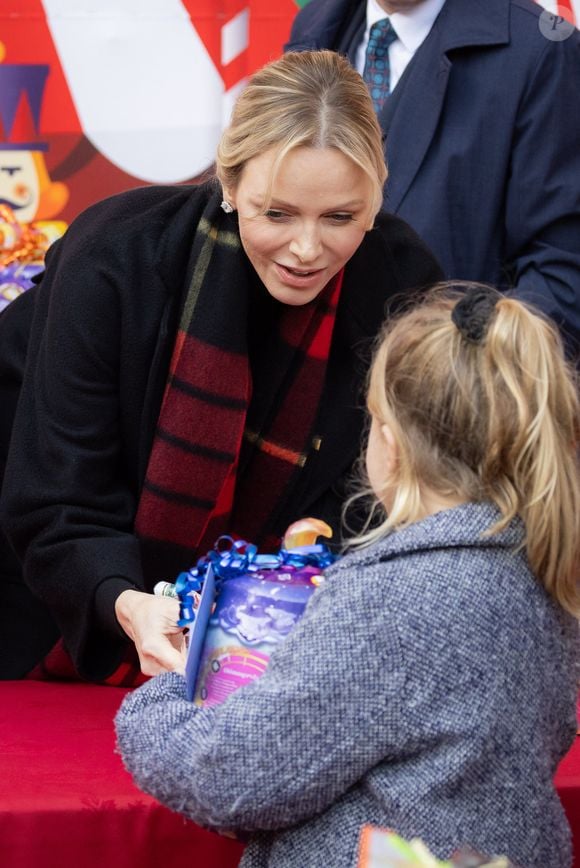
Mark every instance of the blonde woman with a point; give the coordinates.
(194, 366)
(430, 686)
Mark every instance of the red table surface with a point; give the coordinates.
(568, 786)
(67, 802)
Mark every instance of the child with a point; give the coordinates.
(430, 686)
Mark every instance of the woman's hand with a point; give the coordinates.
(151, 622)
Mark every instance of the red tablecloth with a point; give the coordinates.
(67, 802)
(568, 785)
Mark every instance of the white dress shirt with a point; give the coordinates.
(412, 28)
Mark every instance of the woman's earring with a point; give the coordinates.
(227, 207)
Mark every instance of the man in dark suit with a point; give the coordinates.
(482, 135)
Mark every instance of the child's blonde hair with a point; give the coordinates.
(484, 406)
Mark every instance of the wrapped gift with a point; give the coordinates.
(239, 604)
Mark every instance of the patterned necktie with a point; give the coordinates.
(377, 71)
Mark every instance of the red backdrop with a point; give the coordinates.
(40, 33)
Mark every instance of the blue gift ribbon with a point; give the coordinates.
(238, 559)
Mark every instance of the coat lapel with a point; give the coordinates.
(409, 120)
(157, 380)
(171, 277)
(351, 35)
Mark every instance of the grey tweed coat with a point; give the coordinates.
(429, 687)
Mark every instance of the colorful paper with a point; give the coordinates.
(253, 614)
(383, 848)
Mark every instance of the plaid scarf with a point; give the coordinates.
(236, 421)
(244, 385)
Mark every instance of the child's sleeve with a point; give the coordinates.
(286, 746)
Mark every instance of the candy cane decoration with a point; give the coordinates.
(145, 88)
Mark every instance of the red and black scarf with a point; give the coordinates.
(245, 382)
(236, 422)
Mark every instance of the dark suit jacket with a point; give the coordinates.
(102, 332)
(482, 139)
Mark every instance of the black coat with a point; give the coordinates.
(27, 629)
(101, 337)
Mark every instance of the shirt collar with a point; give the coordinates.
(411, 27)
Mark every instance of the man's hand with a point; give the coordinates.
(151, 622)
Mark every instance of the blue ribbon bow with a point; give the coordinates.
(237, 559)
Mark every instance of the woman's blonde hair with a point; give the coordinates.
(492, 417)
(307, 98)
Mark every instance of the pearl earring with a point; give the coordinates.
(227, 207)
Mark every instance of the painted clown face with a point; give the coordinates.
(19, 184)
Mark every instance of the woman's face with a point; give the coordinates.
(316, 218)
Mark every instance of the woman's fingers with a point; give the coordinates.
(151, 622)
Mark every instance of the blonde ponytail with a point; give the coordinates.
(531, 466)
(492, 415)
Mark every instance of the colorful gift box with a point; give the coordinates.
(240, 604)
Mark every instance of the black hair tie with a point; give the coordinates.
(473, 312)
